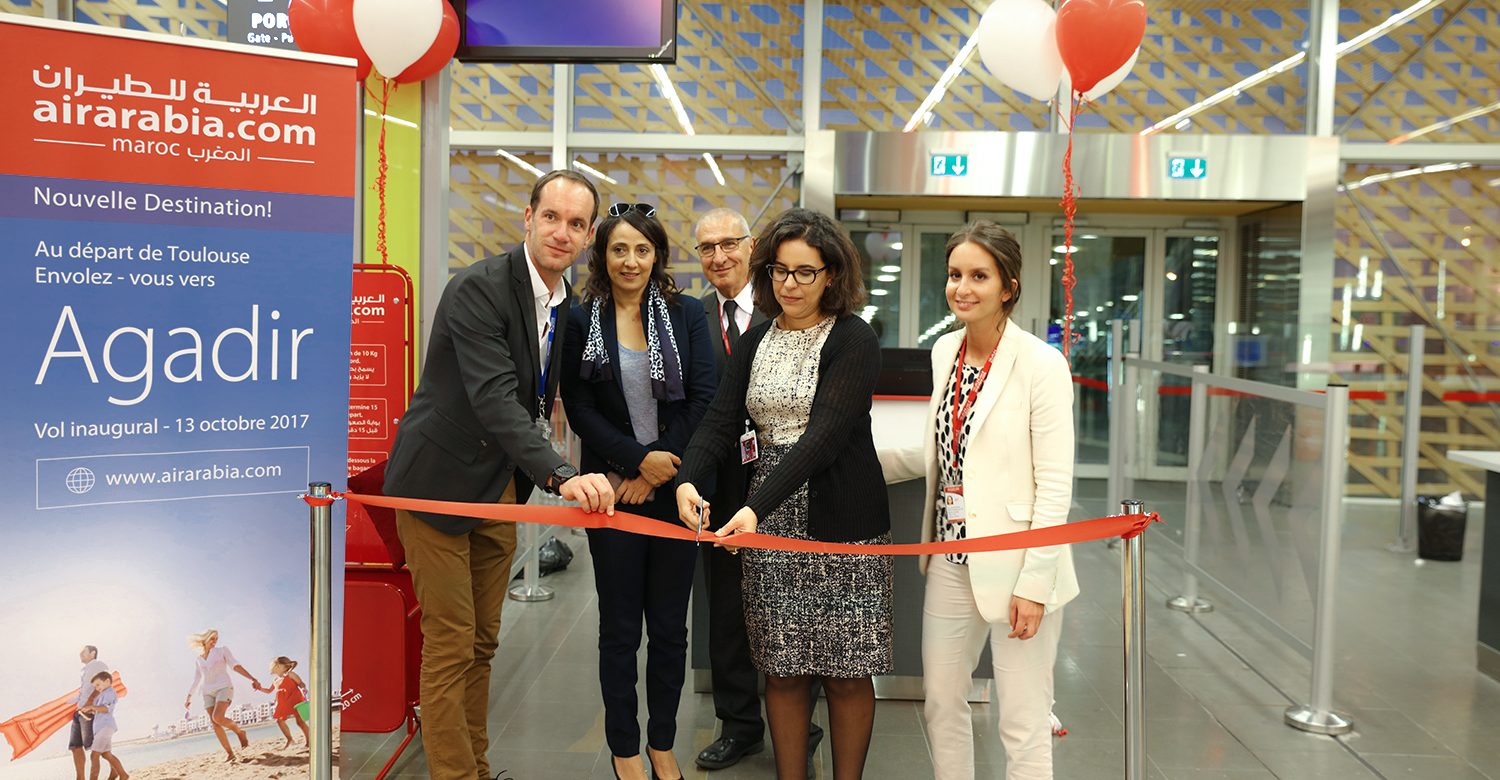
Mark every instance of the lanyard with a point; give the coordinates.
(961, 411)
(547, 333)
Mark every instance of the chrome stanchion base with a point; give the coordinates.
(1304, 718)
(524, 592)
(1191, 606)
(1401, 547)
(531, 593)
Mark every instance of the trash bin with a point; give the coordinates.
(1441, 521)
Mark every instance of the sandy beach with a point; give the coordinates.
(265, 759)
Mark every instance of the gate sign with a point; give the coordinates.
(949, 165)
(1187, 168)
(260, 23)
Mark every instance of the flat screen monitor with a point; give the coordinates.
(567, 30)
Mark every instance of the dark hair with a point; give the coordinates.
(92, 649)
(105, 676)
(287, 662)
(598, 286)
(1002, 247)
(570, 175)
(846, 284)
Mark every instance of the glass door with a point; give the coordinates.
(880, 251)
(1189, 307)
(1110, 267)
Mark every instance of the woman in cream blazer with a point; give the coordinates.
(1014, 466)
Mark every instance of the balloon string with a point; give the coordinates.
(1070, 209)
(386, 88)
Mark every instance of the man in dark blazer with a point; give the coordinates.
(478, 416)
(724, 246)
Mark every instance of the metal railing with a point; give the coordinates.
(1317, 715)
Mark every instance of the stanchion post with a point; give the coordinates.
(1193, 514)
(320, 682)
(531, 588)
(1318, 716)
(1133, 586)
(1411, 432)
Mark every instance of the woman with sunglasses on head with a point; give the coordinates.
(998, 457)
(794, 405)
(638, 375)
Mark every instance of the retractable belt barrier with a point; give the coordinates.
(1115, 526)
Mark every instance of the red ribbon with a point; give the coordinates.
(1122, 526)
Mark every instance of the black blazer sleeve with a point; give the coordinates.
(700, 379)
(847, 372)
(581, 402)
(488, 374)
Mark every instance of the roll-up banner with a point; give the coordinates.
(176, 235)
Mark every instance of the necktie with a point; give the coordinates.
(731, 326)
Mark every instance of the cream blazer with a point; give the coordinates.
(1018, 469)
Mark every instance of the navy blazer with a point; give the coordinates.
(597, 411)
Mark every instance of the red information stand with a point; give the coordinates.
(382, 628)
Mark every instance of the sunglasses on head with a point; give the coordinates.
(620, 209)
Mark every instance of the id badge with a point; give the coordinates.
(953, 504)
(749, 447)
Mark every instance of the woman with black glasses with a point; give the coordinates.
(795, 406)
(638, 374)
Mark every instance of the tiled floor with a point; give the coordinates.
(1405, 674)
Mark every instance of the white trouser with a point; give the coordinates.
(953, 636)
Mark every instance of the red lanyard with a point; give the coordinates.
(961, 411)
(724, 330)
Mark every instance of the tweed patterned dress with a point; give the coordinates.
(806, 613)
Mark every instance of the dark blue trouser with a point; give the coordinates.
(641, 578)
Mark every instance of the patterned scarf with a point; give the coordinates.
(661, 348)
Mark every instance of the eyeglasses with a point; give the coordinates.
(779, 273)
(619, 209)
(706, 250)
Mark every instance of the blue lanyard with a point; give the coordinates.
(547, 333)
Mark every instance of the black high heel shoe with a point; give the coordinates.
(652, 767)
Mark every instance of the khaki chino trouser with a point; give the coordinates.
(461, 588)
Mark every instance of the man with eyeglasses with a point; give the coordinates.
(477, 431)
(724, 244)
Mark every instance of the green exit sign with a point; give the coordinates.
(949, 165)
(1187, 168)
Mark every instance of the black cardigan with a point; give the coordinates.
(835, 455)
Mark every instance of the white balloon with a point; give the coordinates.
(1105, 84)
(1018, 44)
(396, 33)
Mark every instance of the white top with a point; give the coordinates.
(1487, 460)
(213, 671)
(86, 678)
(546, 300)
(744, 303)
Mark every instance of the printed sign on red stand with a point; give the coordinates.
(381, 368)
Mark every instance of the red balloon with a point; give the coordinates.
(327, 27)
(439, 54)
(1096, 37)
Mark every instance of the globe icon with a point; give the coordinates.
(80, 480)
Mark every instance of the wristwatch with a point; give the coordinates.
(559, 475)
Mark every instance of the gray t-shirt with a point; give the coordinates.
(635, 378)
